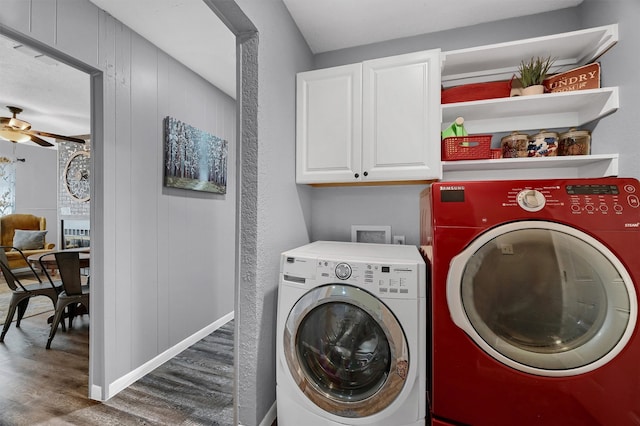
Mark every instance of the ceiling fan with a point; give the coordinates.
(15, 130)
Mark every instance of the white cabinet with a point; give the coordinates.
(329, 124)
(378, 121)
(552, 110)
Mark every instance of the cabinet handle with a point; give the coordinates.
(356, 175)
(366, 174)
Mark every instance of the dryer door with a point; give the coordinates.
(542, 298)
(346, 350)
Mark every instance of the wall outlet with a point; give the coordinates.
(506, 249)
(398, 239)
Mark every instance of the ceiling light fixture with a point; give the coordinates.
(15, 130)
(12, 128)
(13, 136)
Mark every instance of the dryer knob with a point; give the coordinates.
(343, 271)
(531, 200)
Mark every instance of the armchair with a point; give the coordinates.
(28, 222)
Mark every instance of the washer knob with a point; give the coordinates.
(531, 200)
(343, 271)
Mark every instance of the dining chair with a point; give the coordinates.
(73, 292)
(21, 293)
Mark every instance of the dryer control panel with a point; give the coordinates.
(604, 198)
(598, 203)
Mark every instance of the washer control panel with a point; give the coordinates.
(382, 279)
(343, 271)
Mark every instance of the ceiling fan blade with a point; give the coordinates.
(53, 135)
(39, 141)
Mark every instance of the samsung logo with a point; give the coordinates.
(452, 188)
(632, 225)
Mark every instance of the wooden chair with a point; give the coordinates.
(21, 293)
(73, 292)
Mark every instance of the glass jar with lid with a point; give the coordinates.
(575, 142)
(514, 145)
(543, 144)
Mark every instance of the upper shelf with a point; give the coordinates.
(549, 110)
(573, 166)
(500, 61)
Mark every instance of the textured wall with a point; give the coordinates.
(336, 209)
(477, 35)
(618, 132)
(280, 209)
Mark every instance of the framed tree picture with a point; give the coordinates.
(193, 158)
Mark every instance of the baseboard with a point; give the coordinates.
(269, 418)
(96, 393)
(129, 378)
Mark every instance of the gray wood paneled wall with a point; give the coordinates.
(161, 258)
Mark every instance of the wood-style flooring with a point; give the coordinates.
(50, 387)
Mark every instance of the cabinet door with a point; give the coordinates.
(329, 125)
(401, 117)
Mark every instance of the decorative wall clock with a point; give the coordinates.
(76, 176)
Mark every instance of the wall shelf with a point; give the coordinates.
(500, 61)
(546, 111)
(532, 168)
(530, 113)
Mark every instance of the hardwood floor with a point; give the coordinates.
(50, 387)
(39, 384)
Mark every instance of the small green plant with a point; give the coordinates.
(534, 71)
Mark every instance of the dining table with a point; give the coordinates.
(48, 261)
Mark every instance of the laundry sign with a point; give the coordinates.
(583, 78)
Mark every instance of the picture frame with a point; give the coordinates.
(377, 234)
(194, 159)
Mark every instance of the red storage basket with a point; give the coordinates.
(472, 147)
(496, 153)
(476, 92)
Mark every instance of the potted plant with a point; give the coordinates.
(532, 74)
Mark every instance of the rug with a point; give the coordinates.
(37, 305)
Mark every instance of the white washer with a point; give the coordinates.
(351, 335)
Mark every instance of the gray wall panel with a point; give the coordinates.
(42, 26)
(76, 29)
(119, 233)
(103, 129)
(144, 160)
(165, 284)
(16, 15)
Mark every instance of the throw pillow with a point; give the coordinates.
(28, 240)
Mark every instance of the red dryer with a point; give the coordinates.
(535, 302)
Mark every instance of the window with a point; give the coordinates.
(7, 186)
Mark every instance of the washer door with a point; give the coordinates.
(346, 350)
(542, 298)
